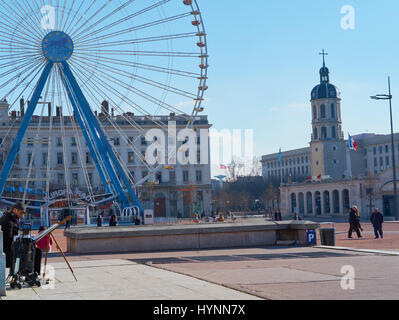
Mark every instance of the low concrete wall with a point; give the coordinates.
(2, 268)
(185, 237)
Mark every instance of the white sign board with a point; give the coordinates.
(149, 217)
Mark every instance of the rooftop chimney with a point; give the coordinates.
(105, 107)
(22, 107)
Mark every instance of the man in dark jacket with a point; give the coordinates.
(377, 219)
(354, 223)
(10, 226)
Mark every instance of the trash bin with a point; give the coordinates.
(327, 237)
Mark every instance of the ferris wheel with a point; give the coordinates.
(85, 69)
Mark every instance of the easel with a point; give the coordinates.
(50, 233)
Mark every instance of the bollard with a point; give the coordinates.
(2, 268)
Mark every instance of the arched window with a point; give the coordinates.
(293, 203)
(301, 203)
(314, 112)
(323, 133)
(309, 203)
(332, 111)
(318, 202)
(336, 201)
(327, 207)
(346, 200)
(333, 132)
(315, 134)
(322, 111)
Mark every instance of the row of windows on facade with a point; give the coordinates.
(380, 149)
(323, 112)
(116, 141)
(300, 202)
(289, 172)
(324, 133)
(131, 158)
(379, 164)
(60, 178)
(287, 162)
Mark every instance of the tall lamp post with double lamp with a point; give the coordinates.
(395, 185)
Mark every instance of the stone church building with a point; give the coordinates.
(327, 178)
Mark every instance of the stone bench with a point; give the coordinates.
(186, 237)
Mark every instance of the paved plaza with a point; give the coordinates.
(231, 274)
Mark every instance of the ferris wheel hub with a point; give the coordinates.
(57, 46)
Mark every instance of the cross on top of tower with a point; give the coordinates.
(323, 53)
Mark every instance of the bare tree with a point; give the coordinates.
(270, 197)
(371, 191)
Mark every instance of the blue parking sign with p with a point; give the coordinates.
(311, 237)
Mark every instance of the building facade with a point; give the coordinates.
(62, 159)
(327, 178)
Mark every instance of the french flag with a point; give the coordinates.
(352, 143)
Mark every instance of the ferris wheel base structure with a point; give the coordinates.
(57, 48)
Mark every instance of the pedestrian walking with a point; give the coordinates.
(354, 222)
(100, 221)
(113, 221)
(377, 219)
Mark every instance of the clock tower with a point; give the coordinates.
(327, 145)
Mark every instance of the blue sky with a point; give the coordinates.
(265, 61)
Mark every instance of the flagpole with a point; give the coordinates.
(281, 169)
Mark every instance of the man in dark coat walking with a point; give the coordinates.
(377, 219)
(354, 223)
(10, 226)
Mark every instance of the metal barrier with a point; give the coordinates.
(327, 235)
(2, 268)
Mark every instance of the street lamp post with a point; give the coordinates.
(395, 185)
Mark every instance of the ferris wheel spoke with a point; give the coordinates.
(12, 27)
(145, 66)
(143, 80)
(21, 19)
(17, 62)
(77, 24)
(34, 13)
(141, 40)
(69, 10)
(118, 9)
(67, 26)
(22, 45)
(61, 22)
(11, 33)
(123, 97)
(17, 56)
(130, 53)
(38, 69)
(73, 34)
(133, 29)
(121, 133)
(94, 149)
(138, 92)
(129, 17)
(99, 83)
(28, 65)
